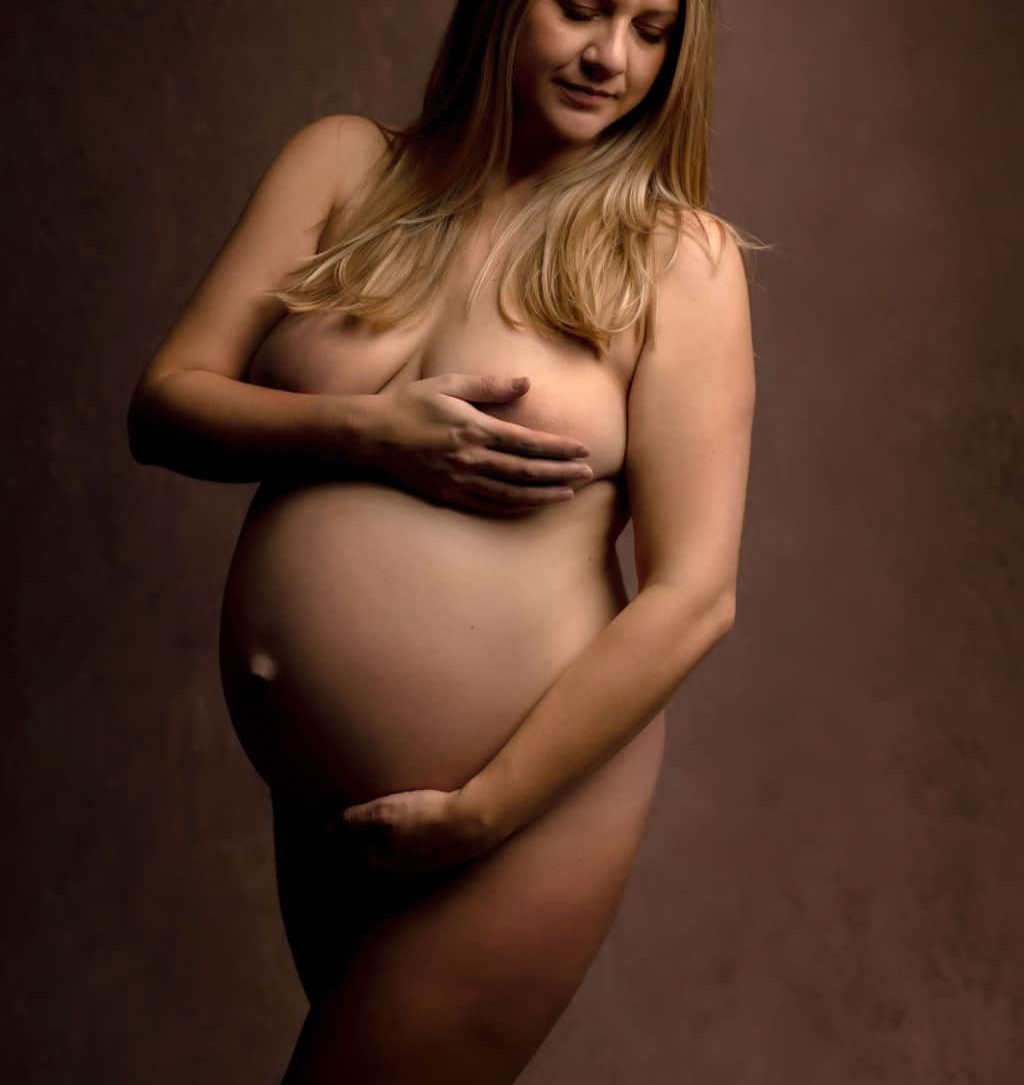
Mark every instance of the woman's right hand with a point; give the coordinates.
(430, 438)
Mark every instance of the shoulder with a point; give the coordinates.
(363, 144)
(341, 146)
(700, 305)
(360, 137)
(343, 131)
(698, 247)
(699, 271)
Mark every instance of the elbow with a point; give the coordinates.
(137, 445)
(711, 611)
(725, 612)
(715, 613)
(142, 425)
(719, 612)
(140, 444)
(143, 454)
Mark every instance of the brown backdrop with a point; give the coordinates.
(831, 889)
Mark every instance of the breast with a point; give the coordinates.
(571, 394)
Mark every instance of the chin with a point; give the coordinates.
(579, 125)
(565, 126)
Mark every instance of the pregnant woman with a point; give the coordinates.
(426, 646)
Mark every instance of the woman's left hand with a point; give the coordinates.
(415, 831)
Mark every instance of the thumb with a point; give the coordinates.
(484, 388)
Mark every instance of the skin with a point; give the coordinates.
(479, 691)
(617, 48)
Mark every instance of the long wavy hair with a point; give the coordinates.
(579, 256)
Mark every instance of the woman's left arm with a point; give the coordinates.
(690, 413)
(691, 405)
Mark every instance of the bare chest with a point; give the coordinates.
(572, 392)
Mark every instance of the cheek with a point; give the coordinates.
(543, 43)
(646, 78)
(532, 65)
(523, 82)
(525, 63)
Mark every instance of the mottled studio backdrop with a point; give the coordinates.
(832, 887)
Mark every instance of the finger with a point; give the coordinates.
(509, 468)
(365, 820)
(482, 387)
(523, 441)
(353, 815)
(511, 493)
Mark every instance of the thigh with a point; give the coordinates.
(318, 898)
(485, 961)
(329, 899)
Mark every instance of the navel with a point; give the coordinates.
(263, 665)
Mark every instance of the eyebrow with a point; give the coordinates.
(671, 13)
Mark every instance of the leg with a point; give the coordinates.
(321, 919)
(461, 981)
(328, 900)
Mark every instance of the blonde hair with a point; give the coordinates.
(581, 251)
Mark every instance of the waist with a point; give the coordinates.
(571, 538)
(360, 546)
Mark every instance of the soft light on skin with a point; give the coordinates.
(612, 45)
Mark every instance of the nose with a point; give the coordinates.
(605, 54)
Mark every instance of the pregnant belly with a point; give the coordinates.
(372, 642)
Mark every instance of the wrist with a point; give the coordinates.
(481, 812)
(348, 428)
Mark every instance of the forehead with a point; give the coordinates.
(641, 7)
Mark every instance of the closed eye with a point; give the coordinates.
(652, 36)
(581, 15)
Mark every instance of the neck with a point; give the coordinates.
(534, 154)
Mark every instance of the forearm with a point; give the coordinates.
(596, 706)
(209, 426)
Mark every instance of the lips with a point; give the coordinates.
(582, 89)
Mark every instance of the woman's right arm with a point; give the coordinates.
(192, 411)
